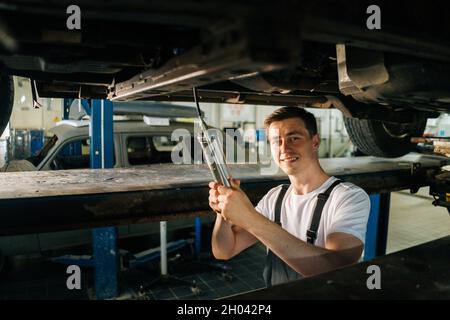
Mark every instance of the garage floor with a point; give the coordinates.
(413, 220)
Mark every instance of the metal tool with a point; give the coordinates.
(212, 150)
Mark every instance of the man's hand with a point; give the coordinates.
(213, 195)
(233, 204)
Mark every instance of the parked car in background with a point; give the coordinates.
(135, 143)
(142, 136)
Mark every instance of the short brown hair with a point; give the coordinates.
(293, 112)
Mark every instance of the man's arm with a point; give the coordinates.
(227, 239)
(340, 249)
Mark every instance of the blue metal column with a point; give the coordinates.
(198, 236)
(377, 226)
(106, 257)
(86, 106)
(67, 102)
(72, 148)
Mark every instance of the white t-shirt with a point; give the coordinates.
(346, 210)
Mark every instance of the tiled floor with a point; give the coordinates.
(213, 278)
(207, 279)
(413, 220)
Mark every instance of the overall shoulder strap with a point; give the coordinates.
(322, 198)
(279, 202)
(270, 256)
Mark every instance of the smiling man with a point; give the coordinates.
(315, 224)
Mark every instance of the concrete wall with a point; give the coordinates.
(439, 126)
(335, 140)
(25, 116)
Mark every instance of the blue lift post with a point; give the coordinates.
(74, 148)
(105, 252)
(67, 102)
(377, 226)
(198, 237)
(68, 105)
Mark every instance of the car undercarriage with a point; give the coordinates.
(320, 54)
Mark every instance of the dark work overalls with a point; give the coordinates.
(276, 270)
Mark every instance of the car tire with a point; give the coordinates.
(380, 139)
(6, 100)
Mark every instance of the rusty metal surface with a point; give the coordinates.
(62, 200)
(420, 272)
(170, 176)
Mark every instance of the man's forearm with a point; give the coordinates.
(303, 257)
(223, 239)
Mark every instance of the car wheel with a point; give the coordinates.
(6, 100)
(381, 139)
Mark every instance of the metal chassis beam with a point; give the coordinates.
(237, 50)
(22, 215)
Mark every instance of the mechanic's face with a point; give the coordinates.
(292, 147)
